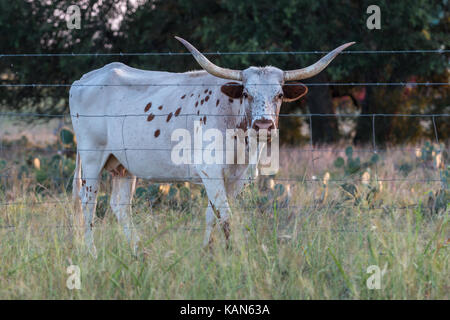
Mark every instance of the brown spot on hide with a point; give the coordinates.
(191, 94)
(184, 96)
(204, 119)
(206, 90)
(226, 231)
(242, 125)
(150, 117)
(196, 104)
(169, 116)
(230, 100)
(225, 224)
(148, 106)
(78, 115)
(206, 98)
(201, 102)
(177, 112)
(198, 112)
(210, 92)
(157, 132)
(217, 212)
(160, 107)
(83, 183)
(217, 102)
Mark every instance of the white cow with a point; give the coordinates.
(124, 118)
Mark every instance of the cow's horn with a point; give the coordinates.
(315, 68)
(209, 66)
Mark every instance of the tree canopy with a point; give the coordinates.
(233, 25)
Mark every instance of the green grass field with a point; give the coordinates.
(317, 247)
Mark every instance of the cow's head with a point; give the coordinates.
(263, 89)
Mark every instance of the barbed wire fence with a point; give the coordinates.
(312, 148)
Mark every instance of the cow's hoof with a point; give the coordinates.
(208, 248)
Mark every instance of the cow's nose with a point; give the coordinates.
(263, 124)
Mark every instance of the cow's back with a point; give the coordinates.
(103, 94)
(131, 114)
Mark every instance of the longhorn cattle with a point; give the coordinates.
(124, 119)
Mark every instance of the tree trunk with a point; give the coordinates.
(319, 100)
(364, 124)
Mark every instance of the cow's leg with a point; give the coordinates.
(210, 223)
(123, 187)
(90, 176)
(76, 191)
(232, 191)
(217, 195)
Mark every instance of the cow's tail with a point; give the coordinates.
(76, 188)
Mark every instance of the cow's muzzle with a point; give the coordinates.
(264, 124)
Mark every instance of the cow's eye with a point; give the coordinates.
(280, 96)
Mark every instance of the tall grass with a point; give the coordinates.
(313, 248)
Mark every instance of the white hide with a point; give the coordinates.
(109, 114)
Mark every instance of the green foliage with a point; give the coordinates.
(354, 165)
(178, 195)
(54, 171)
(355, 191)
(43, 29)
(67, 137)
(236, 25)
(405, 168)
(3, 164)
(438, 201)
(429, 152)
(445, 177)
(102, 205)
(264, 198)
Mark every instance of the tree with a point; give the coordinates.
(417, 24)
(39, 27)
(235, 25)
(322, 25)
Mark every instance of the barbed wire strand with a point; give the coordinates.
(301, 115)
(195, 180)
(218, 53)
(300, 150)
(36, 85)
(202, 207)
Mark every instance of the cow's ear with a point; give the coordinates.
(294, 91)
(232, 89)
